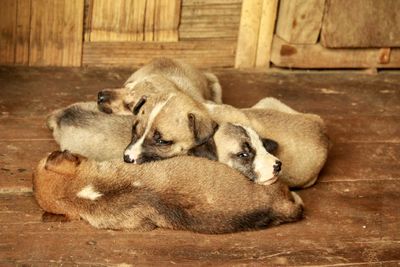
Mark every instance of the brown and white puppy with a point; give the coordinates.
(178, 126)
(162, 75)
(182, 193)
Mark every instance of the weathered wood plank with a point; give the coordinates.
(17, 160)
(208, 20)
(289, 55)
(23, 32)
(249, 28)
(56, 33)
(166, 20)
(300, 21)
(198, 53)
(343, 224)
(8, 28)
(117, 20)
(266, 32)
(361, 23)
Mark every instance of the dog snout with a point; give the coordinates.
(103, 97)
(277, 166)
(128, 159)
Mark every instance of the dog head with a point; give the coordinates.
(176, 124)
(241, 148)
(125, 101)
(51, 179)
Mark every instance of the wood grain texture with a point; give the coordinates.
(210, 20)
(247, 43)
(166, 20)
(299, 22)
(266, 33)
(8, 28)
(23, 32)
(199, 53)
(56, 33)
(361, 23)
(134, 20)
(285, 54)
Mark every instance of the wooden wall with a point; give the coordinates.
(337, 34)
(118, 32)
(206, 33)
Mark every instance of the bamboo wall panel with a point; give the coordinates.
(8, 25)
(299, 21)
(214, 19)
(56, 32)
(134, 20)
(361, 23)
(133, 54)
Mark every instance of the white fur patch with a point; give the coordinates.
(136, 149)
(263, 162)
(88, 193)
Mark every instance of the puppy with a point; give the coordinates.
(82, 129)
(180, 126)
(182, 193)
(162, 75)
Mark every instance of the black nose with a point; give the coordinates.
(277, 166)
(102, 97)
(128, 159)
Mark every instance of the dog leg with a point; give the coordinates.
(215, 86)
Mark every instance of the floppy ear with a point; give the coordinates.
(202, 128)
(207, 150)
(270, 145)
(63, 162)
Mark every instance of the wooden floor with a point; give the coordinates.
(352, 214)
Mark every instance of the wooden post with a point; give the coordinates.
(256, 29)
(266, 33)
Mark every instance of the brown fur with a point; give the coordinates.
(182, 193)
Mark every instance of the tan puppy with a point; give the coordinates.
(182, 193)
(162, 75)
(179, 125)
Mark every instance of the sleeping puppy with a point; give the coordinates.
(179, 125)
(182, 193)
(162, 75)
(82, 129)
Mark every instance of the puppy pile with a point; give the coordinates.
(163, 151)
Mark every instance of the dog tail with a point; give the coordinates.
(215, 87)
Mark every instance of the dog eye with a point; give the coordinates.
(163, 142)
(243, 154)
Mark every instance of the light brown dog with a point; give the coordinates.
(162, 75)
(182, 193)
